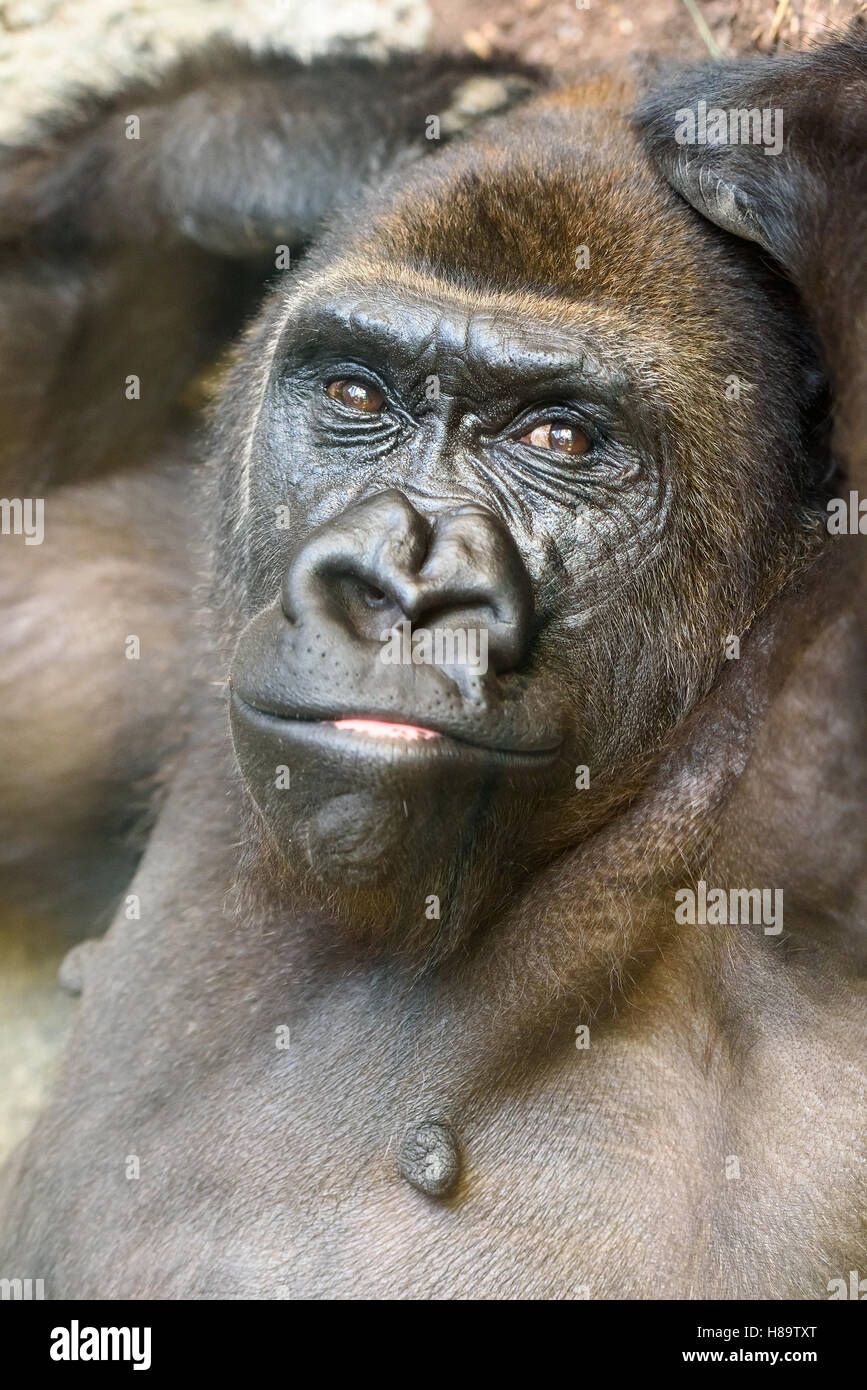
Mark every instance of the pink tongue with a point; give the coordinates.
(377, 728)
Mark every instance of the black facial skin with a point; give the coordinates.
(415, 539)
(463, 520)
(431, 514)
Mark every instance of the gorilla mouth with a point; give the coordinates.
(380, 728)
(383, 735)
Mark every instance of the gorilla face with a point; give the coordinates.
(497, 507)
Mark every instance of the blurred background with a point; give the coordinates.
(48, 48)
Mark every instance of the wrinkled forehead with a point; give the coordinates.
(414, 319)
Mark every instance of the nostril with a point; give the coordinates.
(365, 607)
(373, 597)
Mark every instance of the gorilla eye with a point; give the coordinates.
(559, 436)
(358, 395)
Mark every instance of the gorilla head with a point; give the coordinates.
(502, 471)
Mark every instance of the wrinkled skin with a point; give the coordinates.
(431, 1129)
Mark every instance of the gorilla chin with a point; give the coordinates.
(403, 837)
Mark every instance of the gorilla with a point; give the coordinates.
(499, 931)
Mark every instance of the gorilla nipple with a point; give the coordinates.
(429, 1159)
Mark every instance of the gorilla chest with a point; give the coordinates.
(591, 1181)
(615, 1172)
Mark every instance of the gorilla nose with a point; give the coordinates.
(381, 562)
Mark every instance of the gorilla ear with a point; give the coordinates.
(236, 153)
(728, 186)
(767, 149)
(805, 205)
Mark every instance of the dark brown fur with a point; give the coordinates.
(275, 1173)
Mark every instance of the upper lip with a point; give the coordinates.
(300, 716)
